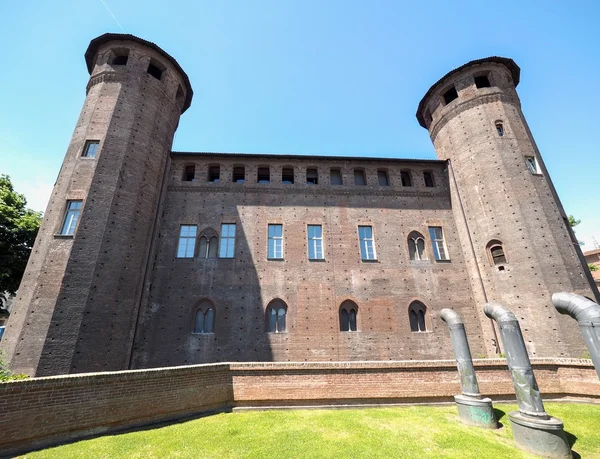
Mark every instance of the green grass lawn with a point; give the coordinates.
(415, 432)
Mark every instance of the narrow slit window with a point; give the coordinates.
(189, 173)
(71, 218)
(335, 177)
(90, 148)
(239, 174)
(312, 176)
(187, 241)
(359, 177)
(263, 175)
(500, 129)
(406, 178)
(450, 95)
(382, 178)
(214, 174)
(428, 178)
(287, 176)
(482, 81)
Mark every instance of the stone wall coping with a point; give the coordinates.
(284, 366)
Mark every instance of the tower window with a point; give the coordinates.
(359, 177)
(239, 174)
(532, 164)
(189, 173)
(71, 218)
(439, 245)
(416, 246)
(276, 317)
(227, 248)
(120, 60)
(450, 95)
(382, 178)
(287, 175)
(335, 177)
(428, 177)
(348, 311)
(187, 241)
(406, 178)
(214, 174)
(482, 81)
(312, 176)
(500, 129)
(205, 319)
(155, 70)
(497, 254)
(417, 313)
(275, 248)
(315, 242)
(263, 175)
(367, 243)
(90, 148)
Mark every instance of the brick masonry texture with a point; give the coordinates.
(43, 411)
(114, 295)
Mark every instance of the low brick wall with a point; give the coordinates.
(43, 411)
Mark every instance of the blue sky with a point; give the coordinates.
(309, 77)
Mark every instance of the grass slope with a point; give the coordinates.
(411, 432)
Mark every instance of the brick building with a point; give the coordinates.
(148, 257)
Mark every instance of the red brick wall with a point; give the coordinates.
(43, 411)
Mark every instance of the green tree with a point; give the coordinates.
(573, 222)
(18, 228)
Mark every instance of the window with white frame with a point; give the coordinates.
(532, 164)
(315, 242)
(367, 244)
(227, 248)
(71, 217)
(187, 241)
(440, 252)
(275, 248)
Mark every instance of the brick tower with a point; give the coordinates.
(78, 302)
(513, 229)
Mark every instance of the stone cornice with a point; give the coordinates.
(106, 77)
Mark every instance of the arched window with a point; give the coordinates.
(348, 312)
(496, 252)
(276, 316)
(417, 315)
(416, 246)
(209, 244)
(204, 320)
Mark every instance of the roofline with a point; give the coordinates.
(303, 157)
(95, 44)
(511, 65)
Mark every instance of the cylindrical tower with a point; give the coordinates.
(513, 229)
(78, 302)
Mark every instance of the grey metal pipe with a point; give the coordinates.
(462, 353)
(587, 315)
(526, 388)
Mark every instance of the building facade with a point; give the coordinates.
(148, 257)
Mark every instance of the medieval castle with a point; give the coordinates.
(149, 257)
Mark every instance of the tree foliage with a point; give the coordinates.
(573, 222)
(18, 229)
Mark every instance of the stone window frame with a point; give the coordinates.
(273, 321)
(414, 236)
(496, 261)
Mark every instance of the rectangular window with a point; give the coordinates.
(428, 177)
(227, 248)
(359, 177)
(382, 178)
(71, 218)
(187, 241)
(275, 242)
(287, 175)
(439, 246)
(367, 245)
(315, 242)
(312, 176)
(90, 148)
(406, 178)
(532, 164)
(263, 175)
(214, 174)
(335, 177)
(189, 173)
(239, 174)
